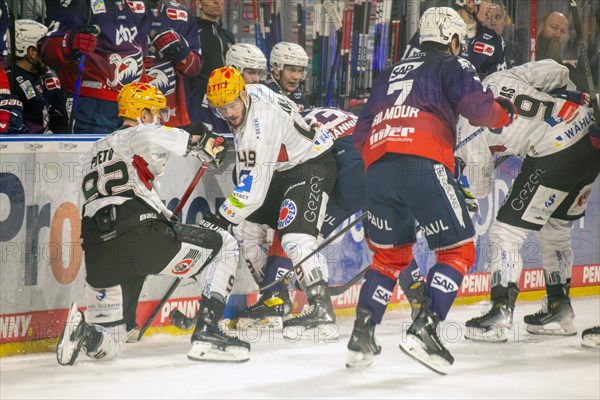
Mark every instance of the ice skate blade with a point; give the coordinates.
(494, 334)
(553, 329)
(67, 349)
(326, 333)
(415, 348)
(357, 359)
(591, 340)
(268, 322)
(204, 351)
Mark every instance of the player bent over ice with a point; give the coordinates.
(347, 197)
(406, 135)
(286, 171)
(128, 234)
(548, 195)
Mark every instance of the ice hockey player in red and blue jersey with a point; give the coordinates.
(174, 53)
(406, 133)
(485, 49)
(113, 36)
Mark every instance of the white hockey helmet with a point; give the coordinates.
(440, 24)
(27, 33)
(462, 3)
(286, 53)
(244, 55)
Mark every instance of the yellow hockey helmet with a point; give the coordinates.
(225, 84)
(136, 96)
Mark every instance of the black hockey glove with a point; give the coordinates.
(211, 148)
(215, 222)
(581, 98)
(511, 114)
(169, 45)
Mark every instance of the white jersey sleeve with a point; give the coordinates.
(122, 165)
(273, 137)
(545, 125)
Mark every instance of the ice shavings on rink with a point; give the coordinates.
(532, 367)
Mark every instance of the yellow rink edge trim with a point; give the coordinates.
(47, 345)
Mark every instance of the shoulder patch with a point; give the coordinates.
(98, 6)
(177, 15)
(483, 48)
(465, 64)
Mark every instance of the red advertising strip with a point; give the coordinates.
(48, 324)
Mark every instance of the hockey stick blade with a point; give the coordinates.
(326, 243)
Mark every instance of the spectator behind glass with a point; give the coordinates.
(215, 41)
(174, 53)
(114, 38)
(37, 87)
(551, 38)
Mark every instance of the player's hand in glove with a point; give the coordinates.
(594, 133)
(169, 45)
(80, 41)
(210, 148)
(11, 115)
(215, 222)
(511, 114)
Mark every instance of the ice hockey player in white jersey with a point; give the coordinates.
(249, 60)
(549, 193)
(286, 171)
(127, 234)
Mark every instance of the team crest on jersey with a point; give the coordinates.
(174, 14)
(98, 7)
(137, 7)
(287, 213)
(184, 266)
(126, 70)
(483, 48)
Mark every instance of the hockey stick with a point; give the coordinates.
(586, 61)
(332, 13)
(326, 243)
(177, 281)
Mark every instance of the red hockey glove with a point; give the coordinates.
(170, 46)
(511, 114)
(80, 41)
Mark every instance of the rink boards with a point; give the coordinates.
(42, 269)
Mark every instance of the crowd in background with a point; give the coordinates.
(66, 71)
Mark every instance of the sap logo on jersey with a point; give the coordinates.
(401, 133)
(382, 295)
(443, 283)
(287, 213)
(400, 71)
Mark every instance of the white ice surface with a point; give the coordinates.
(532, 367)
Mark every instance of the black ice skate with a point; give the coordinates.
(318, 315)
(591, 337)
(209, 342)
(491, 327)
(555, 318)
(362, 346)
(423, 344)
(72, 338)
(267, 311)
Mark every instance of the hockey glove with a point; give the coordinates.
(214, 222)
(511, 114)
(211, 148)
(170, 46)
(581, 98)
(11, 115)
(594, 133)
(80, 41)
